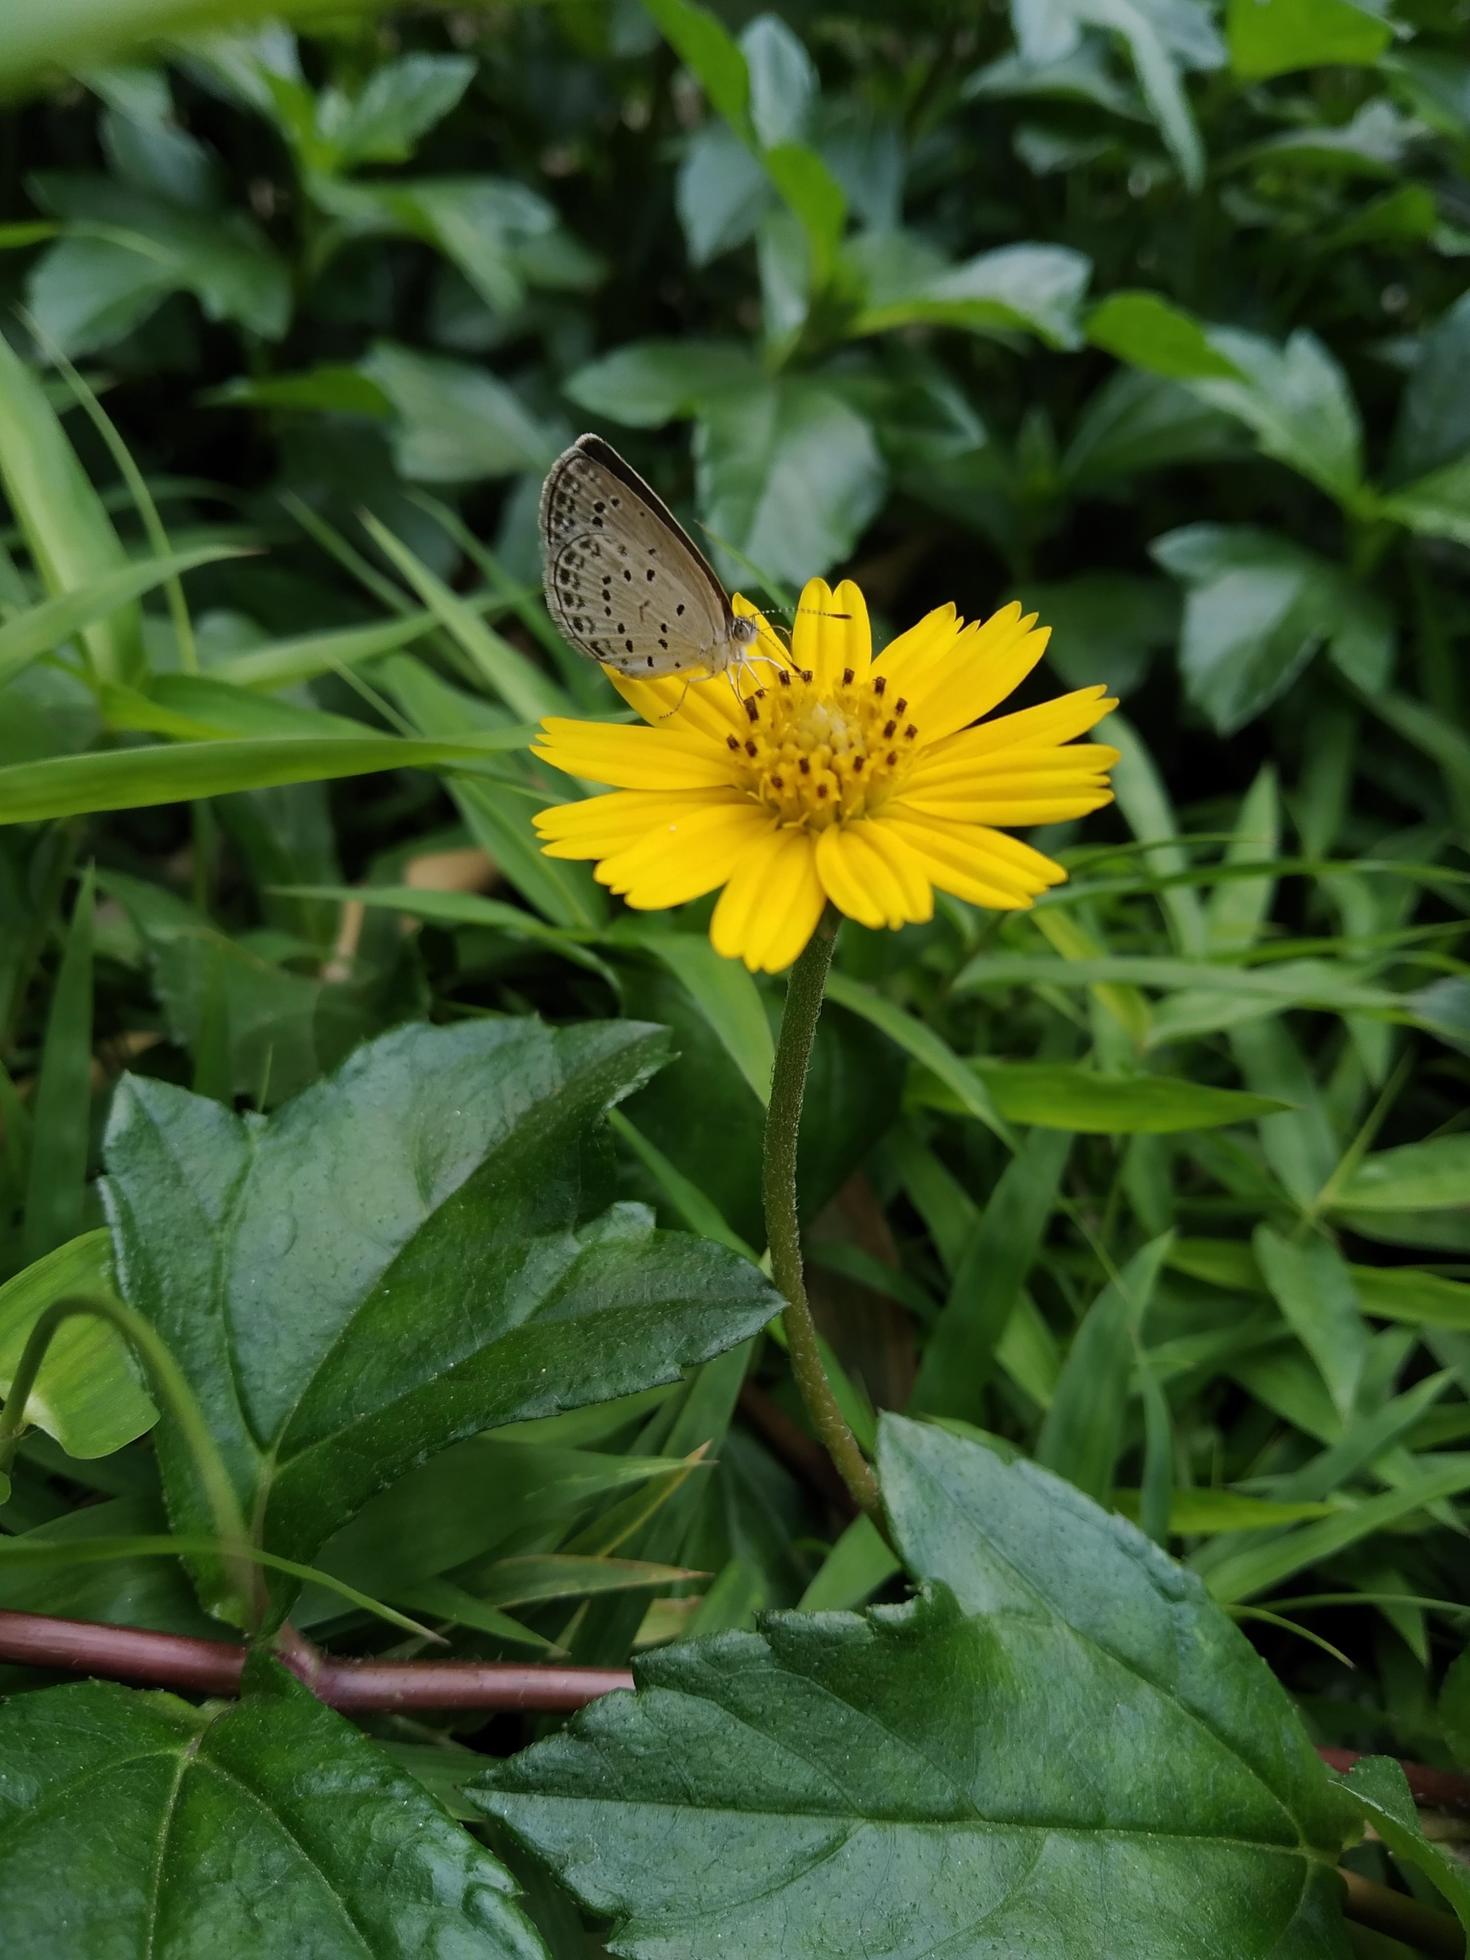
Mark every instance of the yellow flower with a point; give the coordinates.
(841, 777)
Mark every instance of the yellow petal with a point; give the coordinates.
(1014, 808)
(830, 633)
(633, 758)
(916, 893)
(794, 901)
(599, 825)
(906, 660)
(947, 773)
(955, 857)
(686, 857)
(979, 672)
(706, 704)
(745, 926)
(1017, 859)
(857, 880)
(1032, 728)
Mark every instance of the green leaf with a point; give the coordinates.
(62, 1130)
(1273, 37)
(763, 113)
(329, 388)
(1428, 1176)
(1017, 289)
(1436, 505)
(1378, 1786)
(1313, 1287)
(653, 382)
(129, 245)
(1007, 1538)
(1296, 399)
(788, 476)
(455, 423)
(1433, 426)
(724, 992)
(401, 102)
(416, 1214)
(42, 628)
(87, 1394)
(989, 1273)
(265, 1827)
(1145, 330)
(131, 779)
(1063, 1096)
(1257, 1568)
(66, 529)
(1082, 1434)
(908, 1781)
(969, 1093)
(1258, 608)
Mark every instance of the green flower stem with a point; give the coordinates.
(173, 1391)
(783, 1232)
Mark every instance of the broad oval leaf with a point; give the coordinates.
(915, 1781)
(268, 1827)
(392, 1261)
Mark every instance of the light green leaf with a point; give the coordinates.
(66, 529)
(87, 1394)
(131, 779)
(1274, 37)
(1427, 1176)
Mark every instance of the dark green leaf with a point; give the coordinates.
(258, 1829)
(908, 1781)
(416, 1215)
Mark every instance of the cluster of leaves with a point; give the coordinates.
(439, 1176)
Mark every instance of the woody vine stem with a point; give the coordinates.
(804, 991)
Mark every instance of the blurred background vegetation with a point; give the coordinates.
(1150, 313)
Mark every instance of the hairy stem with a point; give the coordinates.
(783, 1231)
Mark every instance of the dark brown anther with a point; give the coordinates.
(752, 712)
(910, 732)
(751, 750)
(899, 705)
(776, 783)
(848, 677)
(784, 677)
(889, 730)
(821, 790)
(892, 758)
(805, 766)
(806, 675)
(857, 764)
(731, 742)
(879, 684)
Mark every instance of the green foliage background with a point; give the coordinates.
(1150, 313)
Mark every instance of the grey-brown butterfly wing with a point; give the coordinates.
(625, 583)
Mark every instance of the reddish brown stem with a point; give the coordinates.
(212, 1667)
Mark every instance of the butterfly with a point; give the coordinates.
(625, 582)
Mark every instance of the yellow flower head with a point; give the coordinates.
(869, 782)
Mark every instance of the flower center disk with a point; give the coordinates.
(818, 756)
